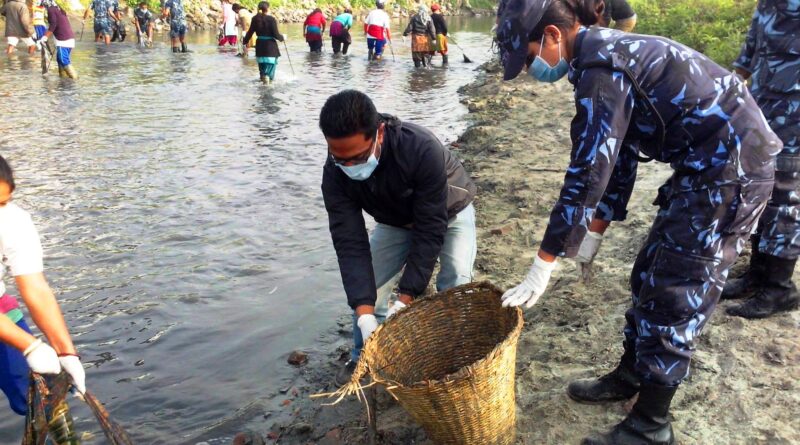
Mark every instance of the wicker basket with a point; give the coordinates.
(450, 360)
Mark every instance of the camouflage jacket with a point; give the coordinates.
(771, 51)
(643, 95)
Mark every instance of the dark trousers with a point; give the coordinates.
(680, 271)
(341, 42)
(779, 227)
(315, 45)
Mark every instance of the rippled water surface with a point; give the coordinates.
(179, 204)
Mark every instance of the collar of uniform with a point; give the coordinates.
(576, 51)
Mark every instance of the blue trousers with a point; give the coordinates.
(680, 271)
(14, 375)
(377, 45)
(389, 247)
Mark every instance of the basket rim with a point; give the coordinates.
(465, 371)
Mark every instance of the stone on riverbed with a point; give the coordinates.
(298, 358)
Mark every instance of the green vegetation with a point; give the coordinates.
(715, 27)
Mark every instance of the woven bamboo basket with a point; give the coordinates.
(449, 360)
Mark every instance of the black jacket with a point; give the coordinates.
(418, 185)
(264, 25)
(439, 23)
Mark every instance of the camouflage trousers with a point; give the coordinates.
(779, 226)
(680, 271)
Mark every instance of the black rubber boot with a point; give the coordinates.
(444, 60)
(370, 55)
(619, 384)
(184, 48)
(648, 422)
(746, 284)
(345, 373)
(777, 292)
(175, 49)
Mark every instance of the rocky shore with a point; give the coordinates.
(744, 386)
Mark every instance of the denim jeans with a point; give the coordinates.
(389, 247)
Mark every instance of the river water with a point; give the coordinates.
(180, 209)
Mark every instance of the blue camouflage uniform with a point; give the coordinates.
(102, 20)
(640, 97)
(771, 53)
(177, 18)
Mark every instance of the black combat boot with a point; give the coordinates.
(648, 422)
(619, 384)
(184, 48)
(746, 284)
(444, 60)
(175, 49)
(370, 55)
(777, 292)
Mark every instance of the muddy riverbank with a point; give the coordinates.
(744, 386)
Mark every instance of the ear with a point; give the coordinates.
(553, 33)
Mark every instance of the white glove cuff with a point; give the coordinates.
(594, 235)
(38, 342)
(544, 265)
(367, 320)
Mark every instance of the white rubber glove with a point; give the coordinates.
(72, 365)
(395, 308)
(285, 38)
(586, 253)
(404, 39)
(532, 287)
(42, 359)
(367, 323)
(43, 39)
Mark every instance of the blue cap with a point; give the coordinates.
(517, 18)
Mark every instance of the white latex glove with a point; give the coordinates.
(72, 365)
(532, 287)
(367, 323)
(586, 253)
(404, 39)
(43, 39)
(42, 359)
(285, 38)
(395, 308)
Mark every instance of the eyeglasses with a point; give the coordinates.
(359, 158)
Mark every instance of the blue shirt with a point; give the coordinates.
(176, 14)
(100, 8)
(345, 19)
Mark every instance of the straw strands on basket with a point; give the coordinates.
(449, 360)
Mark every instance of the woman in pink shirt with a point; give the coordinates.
(313, 28)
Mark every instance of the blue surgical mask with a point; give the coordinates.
(360, 172)
(543, 72)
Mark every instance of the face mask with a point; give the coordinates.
(361, 172)
(543, 72)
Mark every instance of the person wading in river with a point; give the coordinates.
(20, 351)
(18, 25)
(420, 196)
(227, 24)
(440, 24)
(770, 56)
(423, 35)
(340, 32)
(177, 24)
(61, 30)
(314, 29)
(267, 52)
(144, 21)
(103, 16)
(376, 28)
(243, 20)
(640, 97)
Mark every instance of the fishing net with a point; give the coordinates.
(49, 417)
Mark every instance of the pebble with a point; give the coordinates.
(298, 358)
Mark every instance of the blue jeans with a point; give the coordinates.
(14, 375)
(376, 45)
(389, 247)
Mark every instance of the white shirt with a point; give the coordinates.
(377, 17)
(20, 248)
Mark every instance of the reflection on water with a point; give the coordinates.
(180, 208)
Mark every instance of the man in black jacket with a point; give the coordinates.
(420, 196)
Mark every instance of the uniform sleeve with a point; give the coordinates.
(613, 205)
(351, 242)
(430, 219)
(604, 103)
(745, 58)
(249, 33)
(22, 250)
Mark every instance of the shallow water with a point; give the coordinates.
(179, 204)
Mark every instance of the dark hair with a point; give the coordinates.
(236, 7)
(348, 10)
(7, 174)
(263, 6)
(142, 4)
(316, 10)
(347, 113)
(564, 13)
